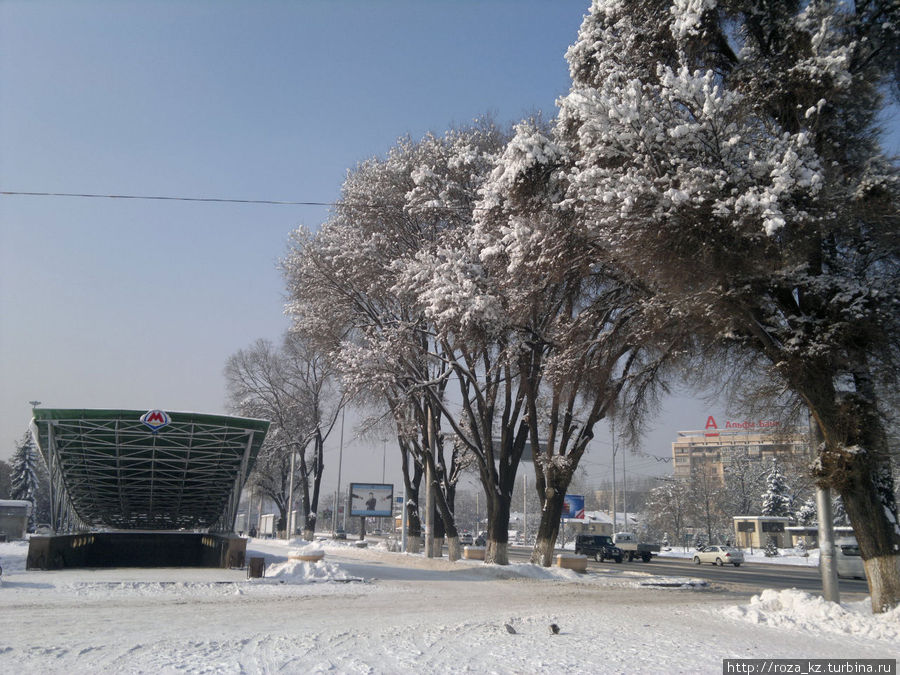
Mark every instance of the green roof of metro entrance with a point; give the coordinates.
(118, 472)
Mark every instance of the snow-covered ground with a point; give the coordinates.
(371, 611)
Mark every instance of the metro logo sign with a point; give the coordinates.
(156, 419)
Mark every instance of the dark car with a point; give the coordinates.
(599, 547)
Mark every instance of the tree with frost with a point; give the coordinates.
(775, 500)
(350, 284)
(29, 480)
(728, 152)
(807, 514)
(5, 472)
(572, 321)
(461, 305)
(294, 388)
(744, 483)
(668, 507)
(707, 497)
(838, 513)
(339, 298)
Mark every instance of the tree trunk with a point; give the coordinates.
(412, 478)
(548, 528)
(875, 534)
(414, 544)
(497, 550)
(854, 461)
(444, 525)
(312, 515)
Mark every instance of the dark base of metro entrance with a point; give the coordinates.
(136, 549)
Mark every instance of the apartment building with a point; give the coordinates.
(709, 449)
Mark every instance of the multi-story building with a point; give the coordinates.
(710, 449)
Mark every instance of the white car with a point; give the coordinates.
(849, 563)
(719, 555)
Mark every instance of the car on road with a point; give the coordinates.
(719, 555)
(465, 539)
(849, 562)
(600, 547)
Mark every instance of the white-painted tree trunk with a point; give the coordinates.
(882, 573)
(497, 553)
(454, 550)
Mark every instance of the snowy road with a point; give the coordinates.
(409, 615)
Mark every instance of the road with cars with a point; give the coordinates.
(749, 577)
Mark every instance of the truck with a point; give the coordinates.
(632, 548)
(600, 547)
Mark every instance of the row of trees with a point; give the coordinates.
(712, 191)
(703, 502)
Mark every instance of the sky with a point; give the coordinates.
(137, 304)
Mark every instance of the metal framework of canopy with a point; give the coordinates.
(120, 469)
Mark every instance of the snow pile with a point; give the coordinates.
(299, 572)
(13, 555)
(302, 547)
(802, 611)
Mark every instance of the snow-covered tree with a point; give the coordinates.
(807, 513)
(838, 513)
(5, 472)
(668, 507)
(775, 500)
(570, 320)
(707, 499)
(727, 151)
(744, 483)
(29, 480)
(357, 283)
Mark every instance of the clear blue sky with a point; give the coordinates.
(137, 304)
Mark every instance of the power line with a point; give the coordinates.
(165, 198)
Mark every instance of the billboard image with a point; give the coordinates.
(573, 506)
(371, 499)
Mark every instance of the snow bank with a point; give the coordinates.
(13, 555)
(299, 572)
(797, 610)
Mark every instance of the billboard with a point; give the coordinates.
(371, 499)
(573, 506)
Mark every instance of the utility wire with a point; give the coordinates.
(165, 198)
